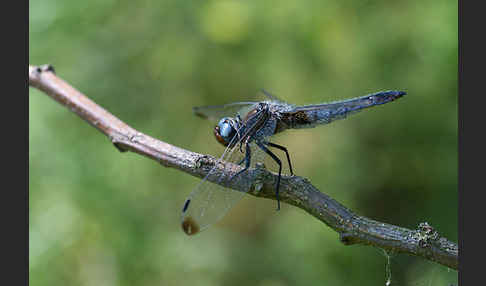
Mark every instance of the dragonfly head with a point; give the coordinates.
(225, 130)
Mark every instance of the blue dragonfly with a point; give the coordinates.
(244, 128)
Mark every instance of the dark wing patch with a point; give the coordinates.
(189, 226)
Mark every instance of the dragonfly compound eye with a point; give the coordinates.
(224, 131)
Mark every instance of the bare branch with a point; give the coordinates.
(352, 228)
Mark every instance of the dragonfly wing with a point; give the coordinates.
(311, 115)
(209, 202)
(271, 97)
(216, 112)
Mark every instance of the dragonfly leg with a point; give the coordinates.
(276, 159)
(237, 128)
(242, 160)
(241, 150)
(283, 149)
(247, 161)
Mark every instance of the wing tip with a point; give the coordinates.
(197, 112)
(189, 226)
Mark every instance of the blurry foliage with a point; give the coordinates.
(99, 217)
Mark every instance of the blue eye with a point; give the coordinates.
(224, 131)
(222, 121)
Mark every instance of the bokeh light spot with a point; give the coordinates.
(225, 21)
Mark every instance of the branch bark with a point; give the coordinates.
(424, 241)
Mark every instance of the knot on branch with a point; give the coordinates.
(347, 238)
(119, 142)
(119, 146)
(205, 161)
(43, 68)
(426, 235)
(260, 172)
(202, 161)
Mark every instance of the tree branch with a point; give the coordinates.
(352, 228)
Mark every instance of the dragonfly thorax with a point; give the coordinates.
(226, 130)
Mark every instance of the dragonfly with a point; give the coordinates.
(245, 129)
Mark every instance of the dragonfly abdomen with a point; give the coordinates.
(311, 115)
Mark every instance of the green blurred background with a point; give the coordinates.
(100, 217)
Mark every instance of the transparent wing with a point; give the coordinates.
(271, 97)
(209, 202)
(216, 112)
